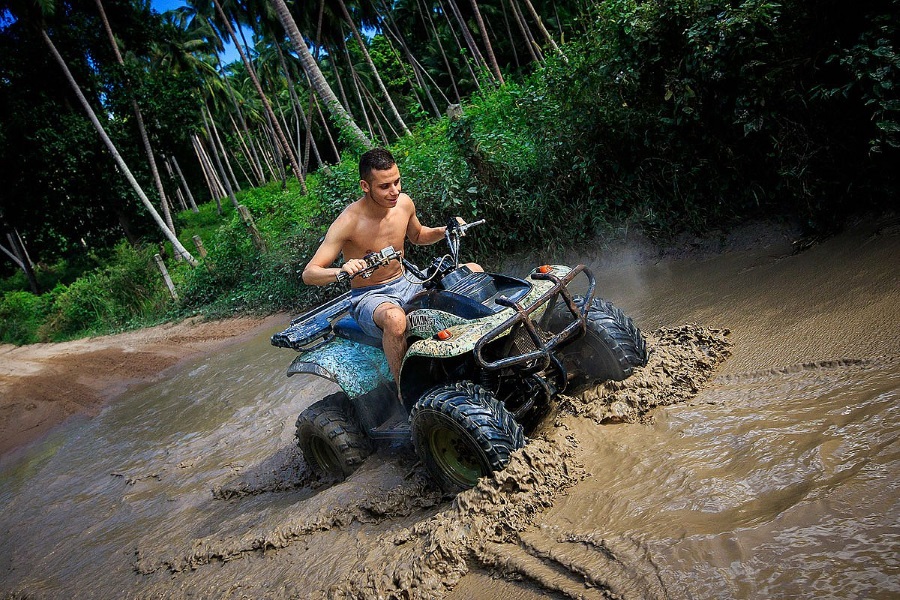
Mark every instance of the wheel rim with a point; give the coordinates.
(324, 455)
(454, 455)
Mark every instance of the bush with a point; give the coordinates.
(127, 292)
(21, 315)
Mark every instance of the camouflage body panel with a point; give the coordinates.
(356, 367)
(426, 322)
(465, 334)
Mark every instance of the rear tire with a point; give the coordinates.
(331, 440)
(611, 347)
(462, 432)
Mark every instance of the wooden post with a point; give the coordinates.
(165, 274)
(200, 247)
(258, 241)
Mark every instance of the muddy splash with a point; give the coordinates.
(680, 361)
(488, 527)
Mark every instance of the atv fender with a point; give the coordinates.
(357, 368)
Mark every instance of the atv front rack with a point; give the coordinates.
(542, 356)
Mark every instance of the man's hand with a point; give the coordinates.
(454, 223)
(353, 266)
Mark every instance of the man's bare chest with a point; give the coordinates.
(373, 236)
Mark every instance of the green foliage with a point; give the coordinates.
(124, 293)
(873, 64)
(669, 115)
(21, 315)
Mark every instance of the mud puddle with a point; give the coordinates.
(772, 473)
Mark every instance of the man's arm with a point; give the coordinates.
(420, 235)
(318, 270)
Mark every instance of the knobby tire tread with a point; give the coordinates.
(484, 419)
(331, 419)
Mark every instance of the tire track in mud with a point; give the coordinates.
(491, 526)
(821, 365)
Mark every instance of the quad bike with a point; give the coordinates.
(487, 354)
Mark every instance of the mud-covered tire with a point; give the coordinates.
(331, 440)
(611, 347)
(462, 432)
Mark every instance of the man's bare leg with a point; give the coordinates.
(392, 321)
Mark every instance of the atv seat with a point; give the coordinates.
(347, 328)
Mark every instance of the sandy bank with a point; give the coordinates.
(42, 385)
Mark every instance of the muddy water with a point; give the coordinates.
(772, 472)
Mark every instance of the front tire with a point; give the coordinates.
(611, 347)
(330, 439)
(462, 432)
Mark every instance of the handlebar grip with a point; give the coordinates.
(343, 277)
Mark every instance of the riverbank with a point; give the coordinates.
(43, 385)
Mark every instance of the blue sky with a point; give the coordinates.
(164, 5)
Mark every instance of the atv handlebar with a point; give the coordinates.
(374, 260)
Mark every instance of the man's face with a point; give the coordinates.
(383, 187)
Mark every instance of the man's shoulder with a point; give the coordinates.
(350, 212)
(406, 202)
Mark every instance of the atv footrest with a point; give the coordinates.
(395, 428)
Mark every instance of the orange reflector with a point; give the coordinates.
(444, 334)
(544, 269)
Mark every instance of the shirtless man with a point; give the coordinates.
(382, 217)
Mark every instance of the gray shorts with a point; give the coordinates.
(364, 301)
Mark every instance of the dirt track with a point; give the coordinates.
(42, 385)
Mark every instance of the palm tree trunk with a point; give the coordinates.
(343, 119)
(509, 34)
(337, 76)
(217, 189)
(275, 149)
(176, 245)
(187, 189)
(257, 174)
(281, 139)
(544, 32)
(443, 55)
(18, 254)
(253, 157)
(213, 191)
(359, 98)
(368, 59)
(533, 48)
(460, 46)
(392, 29)
(139, 119)
(492, 60)
(467, 36)
(220, 147)
(223, 177)
(418, 83)
(334, 148)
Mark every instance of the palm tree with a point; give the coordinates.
(176, 244)
(492, 60)
(540, 24)
(368, 59)
(281, 138)
(342, 118)
(139, 119)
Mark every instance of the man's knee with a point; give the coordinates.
(391, 319)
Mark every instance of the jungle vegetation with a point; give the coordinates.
(124, 134)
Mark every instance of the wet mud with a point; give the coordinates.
(754, 456)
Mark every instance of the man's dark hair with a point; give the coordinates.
(378, 159)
